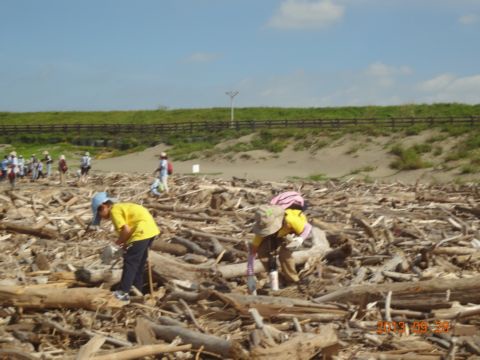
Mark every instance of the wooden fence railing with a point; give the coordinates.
(196, 126)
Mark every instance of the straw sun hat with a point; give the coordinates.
(268, 220)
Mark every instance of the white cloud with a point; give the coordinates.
(201, 57)
(379, 69)
(468, 19)
(385, 75)
(377, 84)
(437, 83)
(306, 14)
(448, 88)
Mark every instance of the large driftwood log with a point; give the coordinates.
(15, 354)
(82, 333)
(387, 356)
(163, 265)
(169, 268)
(460, 289)
(209, 235)
(41, 297)
(213, 344)
(303, 346)
(191, 245)
(141, 351)
(91, 347)
(455, 250)
(165, 247)
(94, 277)
(300, 257)
(42, 232)
(276, 306)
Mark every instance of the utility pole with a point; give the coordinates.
(232, 94)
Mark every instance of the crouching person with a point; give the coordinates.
(278, 232)
(136, 230)
(157, 187)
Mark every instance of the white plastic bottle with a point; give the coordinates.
(273, 275)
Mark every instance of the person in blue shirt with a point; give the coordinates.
(4, 167)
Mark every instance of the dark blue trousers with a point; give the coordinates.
(134, 261)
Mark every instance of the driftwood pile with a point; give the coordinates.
(401, 280)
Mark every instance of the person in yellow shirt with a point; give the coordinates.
(136, 230)
(277, 230)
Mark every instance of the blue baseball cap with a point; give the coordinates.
(97, 200)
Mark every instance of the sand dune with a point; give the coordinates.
(344, 158)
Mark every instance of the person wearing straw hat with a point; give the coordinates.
(277, 231)
(136, 230)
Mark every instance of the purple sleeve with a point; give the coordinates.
(306, 231)
(251, 263)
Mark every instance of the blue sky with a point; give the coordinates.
(145, 54)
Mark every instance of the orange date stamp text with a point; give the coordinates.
(419, 327)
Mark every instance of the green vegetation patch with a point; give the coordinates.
(318, 177)
(468, 149)
(363, 169)
(408, 159)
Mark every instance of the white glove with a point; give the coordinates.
(293, 241)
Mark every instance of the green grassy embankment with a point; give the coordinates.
(223, 114)
(189, 146)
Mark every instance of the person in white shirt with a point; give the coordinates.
(48, 161)
(21, 166)
(163, 171)
(85, 166)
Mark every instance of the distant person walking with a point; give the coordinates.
(85, 166)
(40, 170)
(34, 167)
(12, 168)
(48, 162)
(163, 172)
(62, 169)
(4, 167)
(21, 166)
